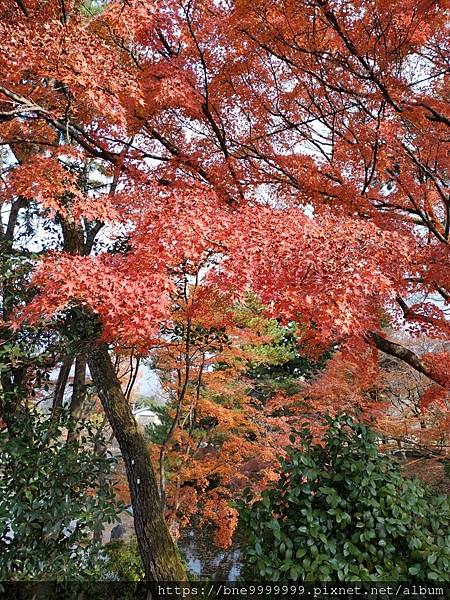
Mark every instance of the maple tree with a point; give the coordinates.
(296, 149)
(218, 436)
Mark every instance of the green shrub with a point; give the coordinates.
(123, 561)
(341, 511)
(51, 500)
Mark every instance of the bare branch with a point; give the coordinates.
(408, 356)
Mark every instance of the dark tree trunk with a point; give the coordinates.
(60, 386)
(79, 387)
(158, 552)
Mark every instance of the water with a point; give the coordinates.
(205, 560)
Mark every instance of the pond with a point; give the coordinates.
(205, 560)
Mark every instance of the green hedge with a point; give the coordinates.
(342, 511)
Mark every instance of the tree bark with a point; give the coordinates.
(158, 552)
(61, 384)
(79, 387)
(404, 354)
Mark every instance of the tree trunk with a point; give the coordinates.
(101, 450)
(79, 387)
(61, 383)
(158, 552)
(78, 395)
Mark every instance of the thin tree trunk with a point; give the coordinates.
(158, 552)
(79, 387)
(61, 383)
(100, 449)
(78, 394)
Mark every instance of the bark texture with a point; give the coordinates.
(160, 559)
(79, 387)
(408, 356)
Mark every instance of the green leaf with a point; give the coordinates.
(356, 513)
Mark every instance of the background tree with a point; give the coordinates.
(216, 435)
(405, 406)
(416, 416)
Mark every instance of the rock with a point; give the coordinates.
(117, 532)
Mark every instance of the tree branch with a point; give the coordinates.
(404, 354)
(22, 7)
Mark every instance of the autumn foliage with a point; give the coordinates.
(169, 159)
(227, 148)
